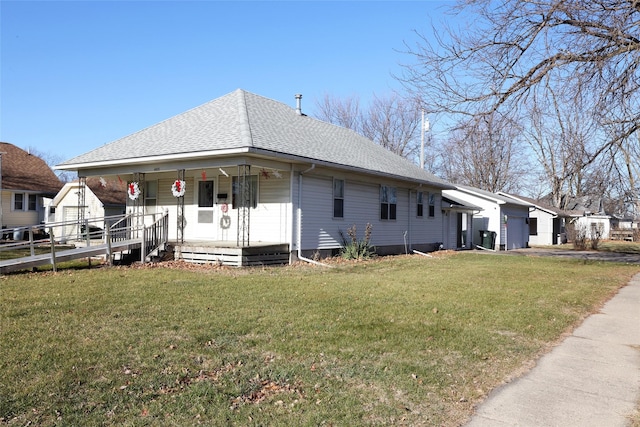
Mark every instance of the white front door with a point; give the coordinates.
(205, 198)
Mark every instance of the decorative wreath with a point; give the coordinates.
(133, 190)
(178, 188)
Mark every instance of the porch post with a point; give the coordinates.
(82, 185)
(180, 211)
(243, 198)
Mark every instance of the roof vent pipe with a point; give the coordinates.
(299, 104)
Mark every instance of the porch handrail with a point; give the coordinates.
(155, 235)
(93, 232)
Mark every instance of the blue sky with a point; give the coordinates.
(75, 75)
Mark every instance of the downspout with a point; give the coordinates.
(410, 231)
(445, 217)
(299, 239)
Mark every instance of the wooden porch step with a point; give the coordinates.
(277, 254)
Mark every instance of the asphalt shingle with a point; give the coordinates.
(23, 171)
(242, 120)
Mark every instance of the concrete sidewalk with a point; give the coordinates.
(591, 379)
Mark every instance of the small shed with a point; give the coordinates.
(102, 198)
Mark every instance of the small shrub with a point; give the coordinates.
(352, 248)
(597, 230)
(578, 236)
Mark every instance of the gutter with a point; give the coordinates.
(299, 239)
(239, 151)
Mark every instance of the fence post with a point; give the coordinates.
(53, 249)
(109, 252)
(31, 245)
(86, 230)
(143, 248)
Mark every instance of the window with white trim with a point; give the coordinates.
(338, 198)
(420, 204)
(18, 202)
(32, 202)
(388, 201)
(432, 205)
(236, 200)
(150, 196)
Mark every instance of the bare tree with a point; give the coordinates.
(561, 136)
(391, 121)
(51, 160)
(342, 112)
(483, 152)
(514, 51)
(513, 45)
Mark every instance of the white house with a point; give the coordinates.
(500, 223)
(246, 171)
(588, 216)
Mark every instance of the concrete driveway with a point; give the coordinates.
(581, 255)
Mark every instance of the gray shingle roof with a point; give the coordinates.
(542, 205)
(494, 196)
(245, 121)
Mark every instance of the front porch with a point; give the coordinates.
(229, 253)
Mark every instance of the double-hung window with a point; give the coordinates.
(24, 202)
(388, 201)
(244, 195)
(150, 196)
(432, 205)
(18, 201)
(419, 204)
(338, 198)
(32, 202)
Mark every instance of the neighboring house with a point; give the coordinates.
(500, 223)
(258, 172)
(547, 225)
(27, 183)
(101, 199)
(588, 215)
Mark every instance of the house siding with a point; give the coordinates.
(319, 229)
(515, 232)
(12, 218)
(362, 206)
(587, 222)
(270, 221)
(166, 201)
(545, 228)
(450, 229)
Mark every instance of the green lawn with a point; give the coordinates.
(405, 340)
